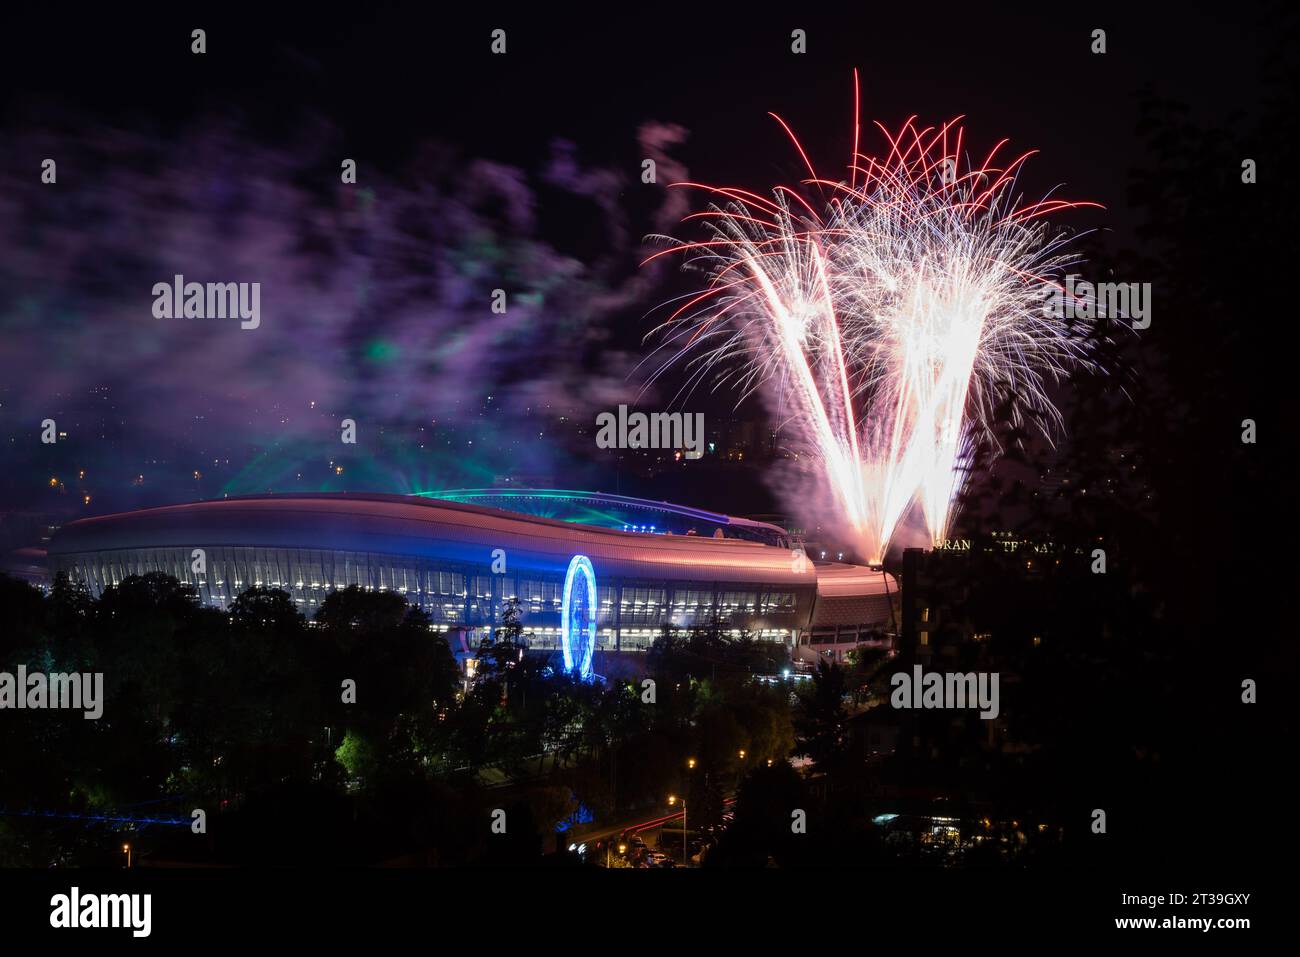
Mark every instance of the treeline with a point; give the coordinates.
(350, 738)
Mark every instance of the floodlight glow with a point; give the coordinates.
(578, 631)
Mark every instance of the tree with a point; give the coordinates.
(820, 721)
(504, 650)
(404, 673)
(762, 827)
(270, 609)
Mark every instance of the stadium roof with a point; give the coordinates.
(438, 529)
(610, 511)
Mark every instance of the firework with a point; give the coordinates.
(889, 314)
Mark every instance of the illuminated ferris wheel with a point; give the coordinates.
(578, 626)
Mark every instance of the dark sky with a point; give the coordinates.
(159, 146)
(394, 75)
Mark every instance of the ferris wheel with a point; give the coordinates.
(578, 625)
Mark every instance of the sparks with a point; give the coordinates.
(889, 320)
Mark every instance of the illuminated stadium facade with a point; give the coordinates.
(460, 560)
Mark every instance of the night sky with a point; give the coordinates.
(473, 167)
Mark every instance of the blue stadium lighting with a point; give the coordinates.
(138, 821)
(582, 815)
(578, 624)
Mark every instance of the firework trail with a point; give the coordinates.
(889, 314)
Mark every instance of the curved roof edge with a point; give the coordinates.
(686, 511)
(409, 525)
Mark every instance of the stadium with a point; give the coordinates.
(461, 555)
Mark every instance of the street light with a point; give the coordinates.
(126, 849)
(686, 858)
(690, 763)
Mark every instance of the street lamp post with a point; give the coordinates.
(127, 849)
(686, 859)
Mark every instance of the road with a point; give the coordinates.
(646, 828)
